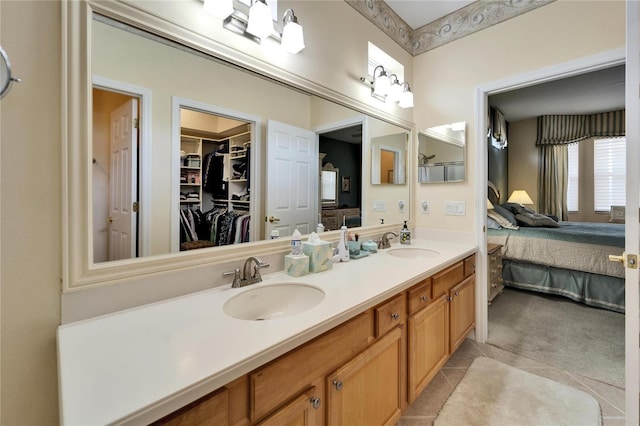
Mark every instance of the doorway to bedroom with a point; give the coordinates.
(569, 316)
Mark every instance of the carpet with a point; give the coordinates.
(561, 333)
(493, 393)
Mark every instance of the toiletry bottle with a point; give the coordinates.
(405, 234)
(343, 251)
(296, 243)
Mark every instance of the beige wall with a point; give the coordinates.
(30, 167)
(446, 78)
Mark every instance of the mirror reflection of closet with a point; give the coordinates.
(388, 159)
(215, 192)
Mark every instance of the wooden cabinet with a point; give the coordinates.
(462, 313)
(494, 275)
(368, 389)
(210, 410)
(439, 321)
(428, 344)
(301, 411)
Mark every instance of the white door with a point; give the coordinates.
(292, 179)
(632, 230)
(122, 181)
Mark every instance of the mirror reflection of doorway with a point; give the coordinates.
(115, 174)
(387, 166)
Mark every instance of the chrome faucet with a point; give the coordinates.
(247, 279)
(383, 242)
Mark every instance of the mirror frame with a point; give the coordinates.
(79, 272)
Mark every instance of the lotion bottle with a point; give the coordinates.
(343, 250)
(405, 234)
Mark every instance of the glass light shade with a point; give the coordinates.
(381, 84)
(395, 91)
(260, 22)
(218, 8)
(292, 37)
(520, 197)
(406, 99)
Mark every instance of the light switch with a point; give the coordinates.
(455, 208)
(379, 205)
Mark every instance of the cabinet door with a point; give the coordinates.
(301, 411)
(428, 344)
(367, 390)
(462, 311)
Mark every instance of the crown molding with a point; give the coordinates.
(467, 20)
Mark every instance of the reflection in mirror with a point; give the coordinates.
(388, 159)
(130, 67)
(441, 153)
(329, 179)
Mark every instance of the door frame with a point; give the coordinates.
(587, 64)
(144, 96)
(178, 102)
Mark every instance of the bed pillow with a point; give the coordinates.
(506, 214)
(516, 208)
(501, 220)
(492, 224)
(536, 220)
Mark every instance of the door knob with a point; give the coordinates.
(273, 219)
(111, 219)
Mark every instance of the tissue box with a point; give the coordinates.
(320, 254)
(296, 265)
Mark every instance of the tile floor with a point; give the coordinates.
(426, 407)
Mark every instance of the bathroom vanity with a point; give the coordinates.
(358, 355)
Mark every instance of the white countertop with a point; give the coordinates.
(140, 364)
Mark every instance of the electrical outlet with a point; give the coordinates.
(424, 207)
(401, 206)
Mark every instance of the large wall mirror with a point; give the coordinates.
(189, 115)
(441, 153)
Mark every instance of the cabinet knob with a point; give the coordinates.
(424, 298)
(395, 316)
(337, 384)
(456, 293)
(315, 402)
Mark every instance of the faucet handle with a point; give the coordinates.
(236, 277)
(259, 265)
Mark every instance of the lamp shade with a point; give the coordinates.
(292, 37)
(260, 22)
(520, 197)
(381, 82)
(489, 205)
(406, 99)
(395, 89)
(218, 8)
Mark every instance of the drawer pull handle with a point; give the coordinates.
(395, 316)
(456, 293)
(337, 384)
(315, 402)
(424, 298)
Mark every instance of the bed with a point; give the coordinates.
(563, 258)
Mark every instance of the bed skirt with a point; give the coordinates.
(591, 289)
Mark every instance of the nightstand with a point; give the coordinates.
(494, 278)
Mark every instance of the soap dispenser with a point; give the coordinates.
(405, 234)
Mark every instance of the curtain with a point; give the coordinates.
(553, 162)
(566, 129)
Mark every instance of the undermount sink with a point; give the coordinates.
(413, 253)
(273, 301)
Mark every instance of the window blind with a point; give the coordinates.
(573, 188)
(609, 173)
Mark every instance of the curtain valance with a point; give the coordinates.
(566, 129)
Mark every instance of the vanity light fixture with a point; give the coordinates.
(387, 88)
(260, 23)
(406, 97)
(292, 34)
(221, 9)
(256, 22)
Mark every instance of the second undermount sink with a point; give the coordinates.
(413, 252)
(273, 301)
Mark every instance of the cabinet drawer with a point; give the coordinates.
(210, 410)
(444, 280)
(470, 265)
(419, 296)
(279, 381)
(390, 314)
